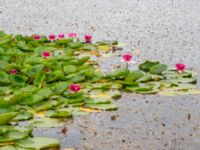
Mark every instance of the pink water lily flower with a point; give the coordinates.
(61, 36)
(46, 54)
(180, 67)
(74, 87)
(72, 35)
(52, 37)
(88, 39)
(127, 57)
(37, 37)
(13, 71)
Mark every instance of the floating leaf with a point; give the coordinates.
(102, 106)
(56, 75)
(145, 78)
(89, 110)
(60, 87)
(147, 65)
(9, 147)
(58, 114)
(75, 44)
(17, 80)
(24, 116)
(22, 46)
(64, 41)
(89, 47)
(69, 69)
(179, 92)
(98, 100)
(4, 78)
(37, 143)
(5, 90)
(118, 74)
(104, 47)
(158, 69)
(134, 75)
(46, 122)
(75, 111)
(105, 94)
(6, 117)
(15, 133)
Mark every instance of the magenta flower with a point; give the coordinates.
(72, 35)
(37, 37)
(46, 54)
(13, 71)
(52, 37)
(74, 87)
(88, 39)
(61, 36)
(180, 67)
(127, 57)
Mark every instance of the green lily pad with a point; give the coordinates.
(5, 90)
(69, 69)
(179, 92)
(4, 78)
(58, 114)
(145, 78)
(37, 143)
(75, 44)
(134, 75)
(46, 122)
(158, 69)
(9, 147)
(17, 80)
(6, 117)
(97, 100)
(64, 41)
(60, 87)
(56, 75)
(75, 111)
(147, 65)
(102, 106)
(24, 116)
(118, 74)
(15, 133)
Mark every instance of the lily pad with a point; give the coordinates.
(58, 114)
(23, 116)
(15, 133)
(147, 65)
(46, 122)
(6, 117)
(102, 106)
(37, 143)
(134, 75)
(158, 69)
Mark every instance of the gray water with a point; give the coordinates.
(165, 30)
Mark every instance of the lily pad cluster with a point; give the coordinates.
(153, 77)
(36, 73)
